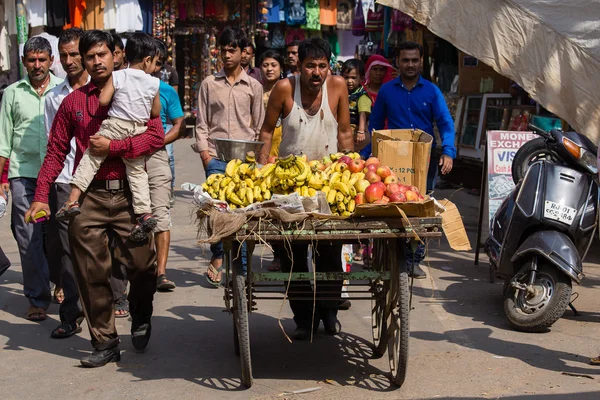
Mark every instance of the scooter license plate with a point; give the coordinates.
(559, 212)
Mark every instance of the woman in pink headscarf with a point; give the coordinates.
(378, 72)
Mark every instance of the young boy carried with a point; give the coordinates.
(135, 99)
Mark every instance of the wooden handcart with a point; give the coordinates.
(386, 285)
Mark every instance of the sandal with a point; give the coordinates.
(122, 305)
(68, 211)
(59, 295)
(163, 284)
(215, 272)
(68, 329)
(595, 361)
(36, 314)
(145, 224)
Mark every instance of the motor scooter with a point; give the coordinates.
(544, 228)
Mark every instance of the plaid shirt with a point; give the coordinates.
(80, 115)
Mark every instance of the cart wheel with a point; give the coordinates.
(398, 333)
(241, 329)
(236, 341)
(378, 319)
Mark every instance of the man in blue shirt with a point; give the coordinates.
(160, 175)
(411, 102)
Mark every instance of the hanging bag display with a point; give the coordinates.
(358, 22)
(344, 15)
(375, 20)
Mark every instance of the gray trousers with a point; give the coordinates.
(29, 237)
(59, 255)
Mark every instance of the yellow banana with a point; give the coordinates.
(250, 195)
(353, 191)
(353, 179)
(341, 167)
(231, 167)
(346, 214)
(243, 169)
(205, 187)
(351, 205)
(242, 190)
(258, 194)
(303, 167)
(299, 184)
(267, 170)
(339, 197)
(346, 176)
(230, 188)
(331, 196)
(250, 157)
(266, 194)
(233, 198)
(315, 182)
(210, 179)
(236, 178)
(249, 183)
(291, 183)
(298, 190)
(326, 190)
(342, 188)
(233, 206)
(305, 191)
(222, 196)
(312, 192)
(341, 206)
(225, 182)
(335, 177)
(215, 185)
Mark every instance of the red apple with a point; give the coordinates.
(356, 166)
(372, 161)
(271, 160)
(361, 185)
(392, 188)
(372, 177)
(421, 198)
(381, 185)
(381, 201)
(360, 199)
(411, 196)
(373, 193)
(414, 189)
(345, 159)
(390, 179)
(404, 188)
(397, 197)
(386, 199)
(384, 172)
(370, 167)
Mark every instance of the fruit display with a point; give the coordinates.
(345, 180)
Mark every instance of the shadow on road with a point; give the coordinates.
(200, 350)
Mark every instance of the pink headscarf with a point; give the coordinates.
(371, 62)
(378, 60)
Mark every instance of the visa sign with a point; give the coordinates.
(503, 161)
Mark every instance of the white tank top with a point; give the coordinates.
(134, 94)
(316, 135)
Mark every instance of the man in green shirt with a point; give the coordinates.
(23, 141)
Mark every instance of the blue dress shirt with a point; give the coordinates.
(413, 109)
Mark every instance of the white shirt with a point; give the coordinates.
(53, 100)
(134, 93)
(128, 16)
(36, 12)
(110, 14)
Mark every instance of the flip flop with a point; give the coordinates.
(215, 272)
(68, 211)
(69, 329)
(595, 361)
(163, 284)
(122, 305)
(36, 314)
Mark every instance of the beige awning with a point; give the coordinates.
(549, 47)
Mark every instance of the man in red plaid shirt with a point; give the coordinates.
(106, 206)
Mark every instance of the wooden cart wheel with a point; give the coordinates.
(398, 332)
(379, 299)
(241, 329)
(236, 341)
(378, 319)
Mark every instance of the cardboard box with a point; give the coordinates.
(453, 227)
(406, 152)
(424, 208)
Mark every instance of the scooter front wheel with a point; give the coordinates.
(537, 310)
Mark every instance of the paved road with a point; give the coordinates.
(461, 345)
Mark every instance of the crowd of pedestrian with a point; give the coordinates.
(89, 162)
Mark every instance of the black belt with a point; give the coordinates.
(115, 184)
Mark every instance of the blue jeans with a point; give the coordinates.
(216, 166)
(171, 155)
(30, 241)
(419, 254)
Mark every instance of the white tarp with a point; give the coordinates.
(549, 47)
